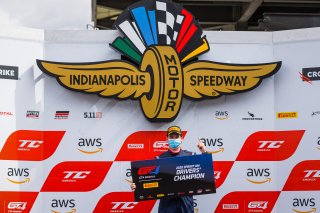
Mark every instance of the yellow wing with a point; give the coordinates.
(209, 79)
(109, 79)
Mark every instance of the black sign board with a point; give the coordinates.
(173, 177)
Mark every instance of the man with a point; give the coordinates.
(183, 204)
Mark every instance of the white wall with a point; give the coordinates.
(46, 14)
(36, 91)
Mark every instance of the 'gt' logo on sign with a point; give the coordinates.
(316, 173)
(30, 143)
(124, 205)
(160, 144)
(258, 205)
(149, 170)
(17, 205)
(76, 174)
(270, 144)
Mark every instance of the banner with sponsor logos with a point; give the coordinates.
(63, 151)
(173, 177)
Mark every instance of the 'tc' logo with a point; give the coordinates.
(122, 202)
(305, 176)
(31, 145)
(76, 176)
(159, 71)
(270, 145)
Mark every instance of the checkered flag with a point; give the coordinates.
(176, 29)
(166, 20)
(158, 22)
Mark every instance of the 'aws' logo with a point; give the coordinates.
(61, 203)
(260, 176)
(160, 67)
(18, 175)
(222, 115)
(213, 142)
(94, 144)
(305, 203)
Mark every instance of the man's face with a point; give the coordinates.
(174, 145)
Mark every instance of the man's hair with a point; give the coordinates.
(174, 129)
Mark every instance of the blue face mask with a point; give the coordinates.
(174, 143)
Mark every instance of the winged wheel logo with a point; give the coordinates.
(161, 42)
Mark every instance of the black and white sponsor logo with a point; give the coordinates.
(212, 141)
(33, 114)
(304, 205)
(222, 115)
(92, 115)
(311, 74)
(315, 114)
(135, 146)
(258, 172)
(230, 206)
(61, 115)
(63, 204)
(89, 142)
(9, 72)
(252, 117)
(216, 143)
(304, 202)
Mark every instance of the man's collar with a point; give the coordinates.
(175, 152)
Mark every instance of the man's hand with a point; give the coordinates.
(133, 186)
(201, 147)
